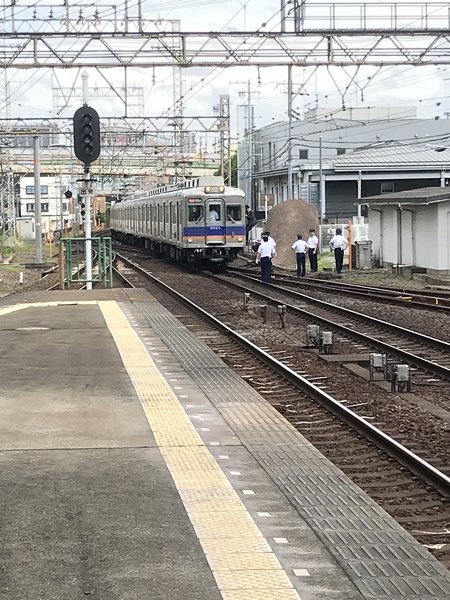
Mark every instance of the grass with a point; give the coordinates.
(10, 268)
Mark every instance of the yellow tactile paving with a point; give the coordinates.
(246, 579)
(273, 594)
(266, 560)
(225, 546)
(242, 561)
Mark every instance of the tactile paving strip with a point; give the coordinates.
(238, 568)
(364, 540)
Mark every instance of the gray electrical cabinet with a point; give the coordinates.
(363, 255)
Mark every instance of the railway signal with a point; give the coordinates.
(86, 134)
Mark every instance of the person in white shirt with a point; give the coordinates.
(300, 247)
(271, 240)
(313, 244)
(213, 215)
(266, 252)
(338, 243)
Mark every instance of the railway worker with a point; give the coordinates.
(313, 244)
(250, 221)
(300, 248)
(273, 242)
(266, 252)
(213, 214)
(338, 243)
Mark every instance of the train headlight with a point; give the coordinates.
(207, 189)
(190, 240)
(240, 239)
(221, 189)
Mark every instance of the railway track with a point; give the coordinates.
(430, 355)
(362, 450)
(423, 299)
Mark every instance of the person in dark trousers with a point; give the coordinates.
(250, 221)
(266, 252)
(338, 243)
(300, 247)
(313, 244)
(274, 244)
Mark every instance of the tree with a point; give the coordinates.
(233, 170)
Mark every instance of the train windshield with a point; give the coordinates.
(234, 213)
(195, 214)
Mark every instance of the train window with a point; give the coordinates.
(234, 212)
(195, 214)
(214, 212)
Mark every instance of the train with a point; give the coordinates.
(201, 223)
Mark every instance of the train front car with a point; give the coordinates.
(214, 232)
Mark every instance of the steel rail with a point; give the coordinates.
(413, 359)
(406, 457)
(393, 295)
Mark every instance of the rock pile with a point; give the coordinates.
(287, 219)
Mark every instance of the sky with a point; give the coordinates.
(426, 88)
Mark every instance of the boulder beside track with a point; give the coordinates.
(287, 219)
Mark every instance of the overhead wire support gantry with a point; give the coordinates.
(311, 34)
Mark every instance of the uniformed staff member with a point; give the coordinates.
(250, 221)
(213, 214)
(266, 252)
(300, 248)
(338, 243)
(313, 244)
(271, 240)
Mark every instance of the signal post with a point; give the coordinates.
(86, 134)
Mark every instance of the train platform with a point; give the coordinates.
(136, 465)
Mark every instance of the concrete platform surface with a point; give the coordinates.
(135, 465)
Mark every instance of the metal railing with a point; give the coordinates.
(72, 260)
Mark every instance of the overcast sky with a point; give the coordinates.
(427, 88)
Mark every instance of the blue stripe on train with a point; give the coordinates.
(214, 230)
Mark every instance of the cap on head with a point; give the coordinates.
(312, 230)
(299, 236)
(338, 231)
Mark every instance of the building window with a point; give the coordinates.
(44, 207)
(341, 151)
(303, 154)
(387, 188)
(29, 190)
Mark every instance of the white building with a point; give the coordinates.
(411, 228)
(57, 211)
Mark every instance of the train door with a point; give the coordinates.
(215, 221)
(173, 220)
(179, 221)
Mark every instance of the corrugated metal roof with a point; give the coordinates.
(394, 157)
(419, 196)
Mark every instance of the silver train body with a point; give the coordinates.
(203, 223)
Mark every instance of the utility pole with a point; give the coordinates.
(290, 188)
(37, 199)
(250, 125)
(321, 195)
(245, 163)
